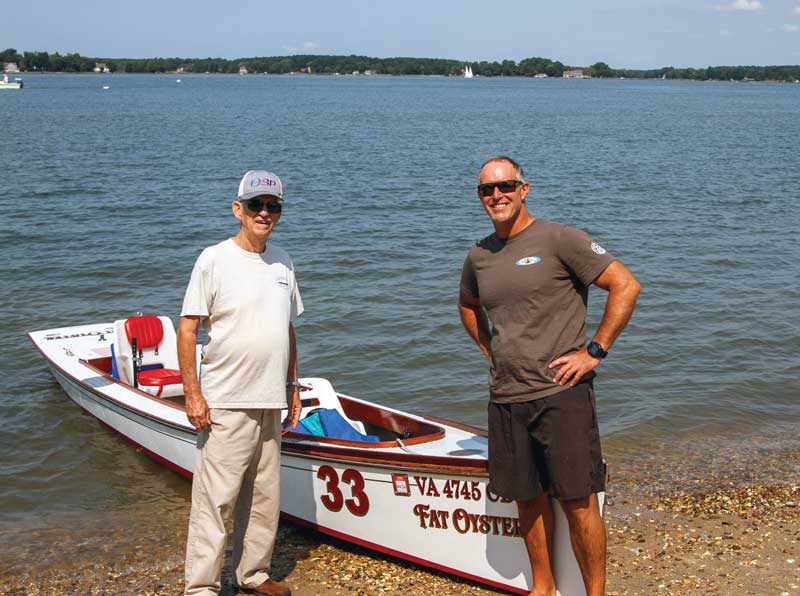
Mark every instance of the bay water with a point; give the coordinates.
(108, 196)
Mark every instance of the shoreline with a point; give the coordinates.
(713, 535)
(741, 540)
(425, 76)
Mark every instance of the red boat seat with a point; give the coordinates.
(159, 377)
(156, 346)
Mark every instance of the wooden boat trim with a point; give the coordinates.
(348, 451)
(400, 424)
(159, 400)
(113, 400)
(368, 413)
(459, 425)
(464, 466)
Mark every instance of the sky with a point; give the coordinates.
(622, 33)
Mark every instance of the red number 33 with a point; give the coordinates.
(357, 504)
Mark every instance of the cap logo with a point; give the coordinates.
(256, 182)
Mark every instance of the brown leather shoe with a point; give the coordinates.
(269, 587)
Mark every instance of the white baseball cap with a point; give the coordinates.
(259, 182)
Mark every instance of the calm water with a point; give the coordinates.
(109, 195)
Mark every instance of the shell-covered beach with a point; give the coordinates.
(716, 536)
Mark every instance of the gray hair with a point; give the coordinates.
(517, 168)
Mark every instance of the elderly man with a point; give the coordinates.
(244, 292)
(530, 280)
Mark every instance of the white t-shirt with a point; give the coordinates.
(247, 300)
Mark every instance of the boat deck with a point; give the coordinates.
(84, 354)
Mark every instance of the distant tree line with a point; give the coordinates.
(43, 61)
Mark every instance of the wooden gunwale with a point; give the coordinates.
(447, 465)
(295, 443)
(459, 425)
(368, 413)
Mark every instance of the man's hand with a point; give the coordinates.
(294, 407)
(573, 367)
(197, 411)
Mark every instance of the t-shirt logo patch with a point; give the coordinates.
(598, 249)
(525, 261)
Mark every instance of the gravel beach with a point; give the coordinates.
(716, 536)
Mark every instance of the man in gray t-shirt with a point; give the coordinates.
(523, 301)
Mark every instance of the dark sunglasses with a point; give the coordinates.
(505, 186)
(256, 205)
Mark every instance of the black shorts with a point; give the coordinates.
(550, 444)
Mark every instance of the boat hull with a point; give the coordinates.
(433, 511)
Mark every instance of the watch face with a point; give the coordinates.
(595, 350)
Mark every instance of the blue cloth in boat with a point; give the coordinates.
(312, 425)
(114, 369)
(336, 427)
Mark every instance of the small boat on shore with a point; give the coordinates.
(414, 487)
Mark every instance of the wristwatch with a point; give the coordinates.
(292, 384)
(595, 350)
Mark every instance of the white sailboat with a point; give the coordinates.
(468, 72)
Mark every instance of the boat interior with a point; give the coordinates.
(144, 357)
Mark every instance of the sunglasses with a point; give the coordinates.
(505, 186)
(256, 205)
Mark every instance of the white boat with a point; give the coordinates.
(468, 72)
(418, 491)
(15, 84)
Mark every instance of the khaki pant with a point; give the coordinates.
(238, 461)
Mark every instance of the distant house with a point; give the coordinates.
(574, 74)
(101, 67)
(243, 69)
(10, 67)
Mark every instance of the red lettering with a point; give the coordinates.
(333, 500)
(358, 503)
(476, 491)
(495, 525)
(461, 521)
(421, 511)
(473, 518)
(508, 526)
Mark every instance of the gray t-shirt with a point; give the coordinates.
(534, 287)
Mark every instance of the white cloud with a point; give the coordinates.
(791, 28)
(305, 48)
(797, 9)
(747, 5)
